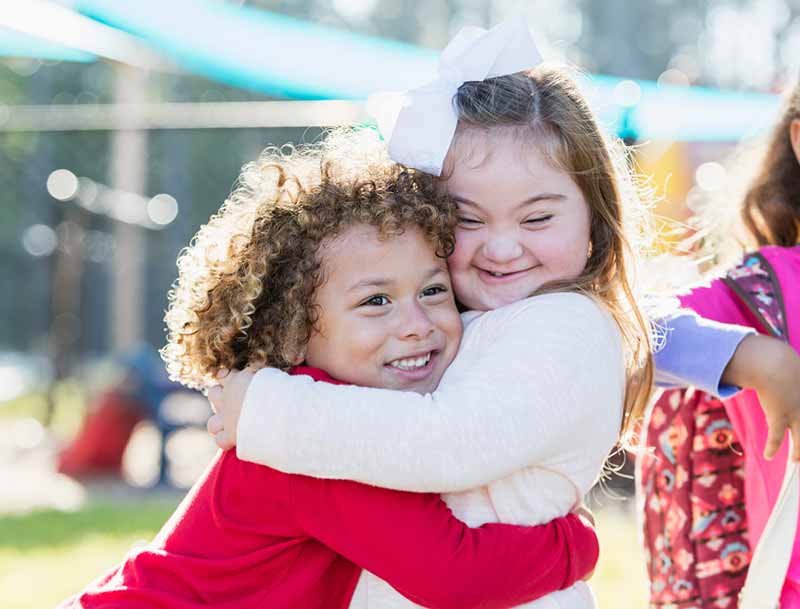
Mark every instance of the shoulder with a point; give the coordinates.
(257, 496)
(240, 481)
(562, 330)
(572, 313)
(779, 250)
(778, 255)
(569, 302)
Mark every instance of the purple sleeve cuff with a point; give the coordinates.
(694, 351)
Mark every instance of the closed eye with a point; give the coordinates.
(538, 220)
(472, 221)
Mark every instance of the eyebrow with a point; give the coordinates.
(379, 282)
(544, 196)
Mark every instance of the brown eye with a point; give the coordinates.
(376, 301)
(434, 290)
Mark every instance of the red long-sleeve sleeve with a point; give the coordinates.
(250, 536)
(414, 542)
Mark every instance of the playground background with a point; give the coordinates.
(123, 127)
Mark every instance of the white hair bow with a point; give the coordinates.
(420, 123)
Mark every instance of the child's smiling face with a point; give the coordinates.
(387, 315)
(522, 222)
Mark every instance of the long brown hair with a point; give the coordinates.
(771, 207)
(546, 107)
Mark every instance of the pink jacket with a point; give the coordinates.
(762, 478)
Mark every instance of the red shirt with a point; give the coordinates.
(250, 536)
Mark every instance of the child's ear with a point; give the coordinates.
(300, 357)
(794, 137)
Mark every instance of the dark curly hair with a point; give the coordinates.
(246, 284)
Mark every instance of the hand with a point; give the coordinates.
(585, 514)
(779, 394)
(772, 368)
(227, 400)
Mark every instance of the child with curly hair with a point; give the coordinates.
(331, 256)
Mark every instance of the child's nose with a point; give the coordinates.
(502, 248)
(416, 322)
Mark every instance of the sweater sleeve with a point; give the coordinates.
(696, 350)
(537, 383)
(413, 542)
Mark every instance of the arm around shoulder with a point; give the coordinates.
(532, 380)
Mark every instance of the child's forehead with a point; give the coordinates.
(364, 250)
(473, 148)
(360, 240)
(349, 237)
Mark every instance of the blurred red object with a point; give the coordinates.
(98, 447)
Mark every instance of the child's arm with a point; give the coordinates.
(765, 364)
(538, 383)
(720, 359)
(414, 542)
(693, 350)
(772, 368)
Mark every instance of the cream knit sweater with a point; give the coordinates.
(517, 431)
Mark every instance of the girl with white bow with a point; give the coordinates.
(555, 362)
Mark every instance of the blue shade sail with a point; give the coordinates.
(266, 52)
(286, 57)
(17, 44)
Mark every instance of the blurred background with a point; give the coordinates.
(122, 129)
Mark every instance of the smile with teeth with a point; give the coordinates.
(498, 274)
(411, 363)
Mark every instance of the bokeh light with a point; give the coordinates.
(673, 76)
(711, 176)
(62, 184)
(39, 240)
(627, 93)
(128, 207)
(13, 381)
(87, 194)
(355, 9)
(162, 209)
(27, 433)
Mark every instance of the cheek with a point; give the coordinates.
(460, 279)
(354, 338)
(359, 355)
(448, 321)
(366, 338)
(455, 333)
(466, 244)
(564, 254)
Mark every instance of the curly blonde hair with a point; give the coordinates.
(246, 283)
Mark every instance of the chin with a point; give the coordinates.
(495, 302)
(427, 388)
